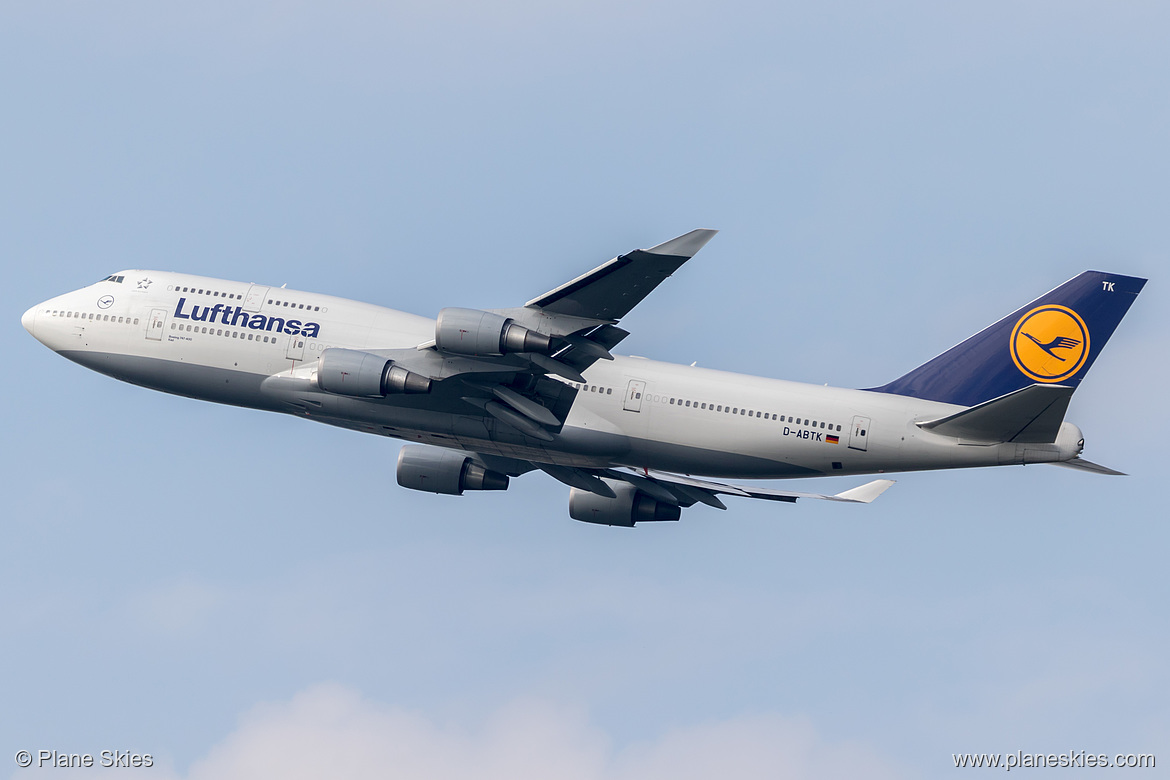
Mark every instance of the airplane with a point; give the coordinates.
(484, 396)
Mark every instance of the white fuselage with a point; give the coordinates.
(256, 346)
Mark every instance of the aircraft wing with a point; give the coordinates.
(498, 360)
(610, 291)
(685, 491)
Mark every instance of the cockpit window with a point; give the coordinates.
(117, 279)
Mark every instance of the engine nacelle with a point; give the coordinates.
(630, 506)
(437, 470)
(365, 375)
(475, 332)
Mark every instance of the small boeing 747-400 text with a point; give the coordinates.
(486, 395)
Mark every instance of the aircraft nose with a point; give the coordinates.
(29, 320)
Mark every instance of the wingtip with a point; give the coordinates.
(866, 493)
(686, 245)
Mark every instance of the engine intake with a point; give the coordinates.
(436, 470)
(365, 375)
(475, 332)
(630, 506)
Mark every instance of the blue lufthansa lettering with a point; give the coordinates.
(237, 317)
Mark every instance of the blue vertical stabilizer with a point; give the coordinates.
(1052, 340)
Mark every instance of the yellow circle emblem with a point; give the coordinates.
(1050, 343)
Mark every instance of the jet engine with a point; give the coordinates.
(437, 470)
(365, 375)
(475, 332)
(628, 507)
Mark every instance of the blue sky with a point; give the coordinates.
(241, 594)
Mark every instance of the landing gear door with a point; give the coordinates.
(859, 433)
(633, 400)
(158, 321)
(255, 298)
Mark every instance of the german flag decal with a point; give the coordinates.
(831, 439)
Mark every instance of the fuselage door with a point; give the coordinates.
(859, 433)
(255, 298)
(158, 320)
(633, 400)
(296, 347)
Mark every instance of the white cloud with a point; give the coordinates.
(331, 731)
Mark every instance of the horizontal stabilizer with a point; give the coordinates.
(1088, 465)
(1031, 415)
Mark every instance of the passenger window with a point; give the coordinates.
(609, 391)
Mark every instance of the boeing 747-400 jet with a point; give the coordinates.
(486, 395)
